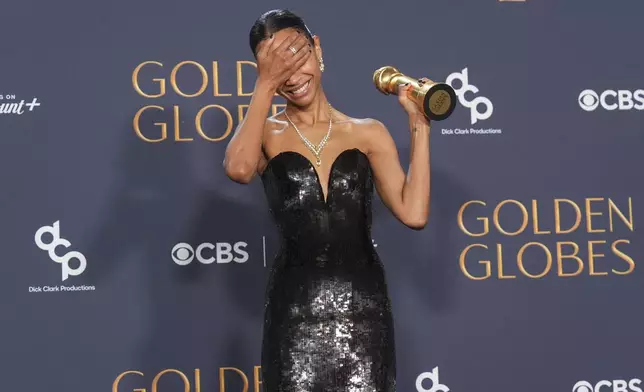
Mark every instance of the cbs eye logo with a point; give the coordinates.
(208, 253)
(608, 386)
(589, 100)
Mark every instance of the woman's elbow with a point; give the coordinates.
(240, 173)
(417, 222)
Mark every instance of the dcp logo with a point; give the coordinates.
(433, 376)
(221, 252)
(474, 104)
(608, 386)
(57, 241)
(589, 100)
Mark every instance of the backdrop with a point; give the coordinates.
(114, 120)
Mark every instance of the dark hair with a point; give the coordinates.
(273, 21)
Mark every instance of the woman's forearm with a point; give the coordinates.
(244, 149)
(417, 182)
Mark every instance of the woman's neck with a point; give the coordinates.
(317, 111)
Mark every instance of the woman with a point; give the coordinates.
(328, 324)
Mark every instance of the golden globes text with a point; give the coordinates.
(190, 381)
(186, 81)
(561, 237)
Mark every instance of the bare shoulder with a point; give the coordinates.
(359, 126)
(370, 132)
(274, 126)
(372, 127)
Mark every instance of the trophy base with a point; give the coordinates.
(439, 102)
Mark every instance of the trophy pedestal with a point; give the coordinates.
(436, 100)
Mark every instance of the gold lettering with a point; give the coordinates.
(215, 81)
(499, 263)
(485, 220)
(177, 132)
(204, 79)
(197, 380)
(628, 222)
(561, 256)
(137, 128)
(496, 217)
(229, 127)
(487, 263)
(591, 258)
(117, 381)
(222, 380)
(589, 213)
(241, 111)
(257, 371)
(558, 229)
(186, 382)
(240, 84)
(535, 222)
(160, 81)
(624, 257)
(522, 267)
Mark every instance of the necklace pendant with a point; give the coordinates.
(316, 150)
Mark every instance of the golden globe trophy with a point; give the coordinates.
(436, 100)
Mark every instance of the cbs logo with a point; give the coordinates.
(208, 253)
(474, 104)
(608, 386)
(589, 100)
(57, 241)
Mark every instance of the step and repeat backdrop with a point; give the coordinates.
(132, 263)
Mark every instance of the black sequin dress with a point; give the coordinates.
(328, 324)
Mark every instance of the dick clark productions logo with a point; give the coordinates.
(474, 104)
(433, 377)
(63, 260)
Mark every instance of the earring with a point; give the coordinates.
(321, 65)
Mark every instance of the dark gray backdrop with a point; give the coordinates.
(125, 203)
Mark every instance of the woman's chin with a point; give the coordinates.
(301, 102)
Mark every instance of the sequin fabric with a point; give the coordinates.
(328, 324)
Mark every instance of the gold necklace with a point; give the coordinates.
(316, 150)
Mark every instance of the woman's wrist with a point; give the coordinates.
(418, 122)
(265, 87)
